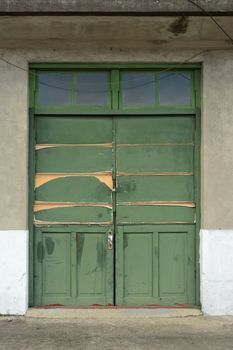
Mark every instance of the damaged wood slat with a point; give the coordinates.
(43, 146)
(153, 144)
(39, 206)
(155, 222)
(159, 203)
(43, 178)
(155, 174)
(40, 222)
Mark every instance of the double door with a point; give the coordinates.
(114, 210)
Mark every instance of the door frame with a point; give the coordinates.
(196, 68)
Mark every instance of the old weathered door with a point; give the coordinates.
(73, 210)
(114, 194)
(155, 210)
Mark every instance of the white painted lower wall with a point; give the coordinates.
(216, 272)
(13, 272)
(216, 266)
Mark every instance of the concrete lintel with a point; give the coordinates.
(130, 7)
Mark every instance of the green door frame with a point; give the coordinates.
(195, 109)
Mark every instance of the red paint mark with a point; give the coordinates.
(110, 306)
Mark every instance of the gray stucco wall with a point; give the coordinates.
(217, 126)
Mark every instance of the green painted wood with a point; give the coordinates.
(155, 188)
(197, 179)
(31, 171)
(76, 214)
(74, 189)
(91, 255)
(138, 264)
(172, 263)
(155, 159)
(155, 130)
(38, 257)
(176, 128)
(154, 267)
(56, 264)
(160, 110)
(74, 268)
(73, 130)
(131, 214)
(73, 253)
(118, 66)
(74, 159)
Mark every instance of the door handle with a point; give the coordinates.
(110, 240)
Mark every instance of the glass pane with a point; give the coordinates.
(92, 89)
(138, 89)
(175, 88)
(55, 89)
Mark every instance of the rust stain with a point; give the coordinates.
(161, 203)
(155, 174)
(59, 145)
(43, 178)
(39, 206)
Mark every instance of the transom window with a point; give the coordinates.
(118, 89)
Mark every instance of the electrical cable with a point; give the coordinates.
(213, 19)
(169, 69)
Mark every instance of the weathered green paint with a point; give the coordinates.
(155, 265)
(131, 214)
(160, 130)
(124, 144)
(74, 189)
(73, 130)
(83, 214)
(150, 158)
(74, 159)
(118, 66)
(155, 188)
(73, 266)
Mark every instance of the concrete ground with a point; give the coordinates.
(115, 329)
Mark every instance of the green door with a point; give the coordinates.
(73, 211)
(155, 237)
(114, 210)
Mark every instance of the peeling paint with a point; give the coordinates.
(161, 203)
(43, 178)
(39, 206)
(40, 222)
(56, 145)
(153, 144)
(155, 174)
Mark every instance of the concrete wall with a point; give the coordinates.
(217, 272)
(13, 272)
(15, 6)
(217, 156)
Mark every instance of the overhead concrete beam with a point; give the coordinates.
(130, 7)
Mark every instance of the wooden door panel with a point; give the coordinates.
(74, 165)
(73, 130)
(154, 158)
(152, 214)
(73, 266)
(157, 130)
(74, 159)
(155, 188)
(155, 265)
